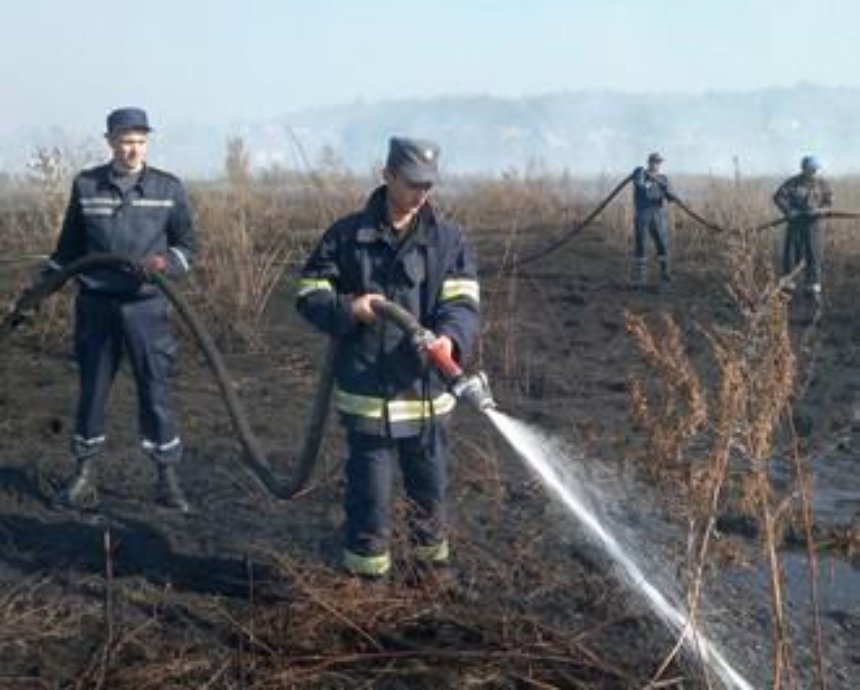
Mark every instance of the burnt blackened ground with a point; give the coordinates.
(245, 591)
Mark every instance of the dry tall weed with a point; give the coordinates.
(723, 451)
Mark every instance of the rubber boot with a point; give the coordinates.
(81, 490)
(168, 491)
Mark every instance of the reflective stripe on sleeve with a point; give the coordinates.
(398, 410)
(452, 288)
(180, 255)
(309, 285)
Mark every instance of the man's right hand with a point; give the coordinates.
(362, 306)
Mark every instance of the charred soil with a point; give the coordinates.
(245, 592)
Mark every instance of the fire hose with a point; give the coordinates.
(473, 389)
(835, 215)
(710, 225)
(595, 212)
(30, 301)
(578, 227)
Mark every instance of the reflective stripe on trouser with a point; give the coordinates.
(83, 448)
(168, 453)
(436, 554)
(369, 472)
(803, 242)
(373, 566)
(105, 327)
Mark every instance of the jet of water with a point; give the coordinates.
(540, 455)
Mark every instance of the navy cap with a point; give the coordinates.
(416, 159)
(655, 158)
(127, 118)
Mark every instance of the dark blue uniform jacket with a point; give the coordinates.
(152, 217)
(383, 385)
(650, 192)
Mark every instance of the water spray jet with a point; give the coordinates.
(534, 450)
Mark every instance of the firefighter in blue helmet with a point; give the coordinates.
(129, 207)
(801, 198)
(394, 407)
(651, 196)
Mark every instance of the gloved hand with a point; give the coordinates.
(157, 263)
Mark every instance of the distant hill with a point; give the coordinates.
(585, 132)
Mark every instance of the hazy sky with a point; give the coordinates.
(217, 61)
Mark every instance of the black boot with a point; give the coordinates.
(81, 489)
(168, 492)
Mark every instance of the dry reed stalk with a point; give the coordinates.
(756, 383)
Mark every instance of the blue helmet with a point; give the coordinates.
(810, 163)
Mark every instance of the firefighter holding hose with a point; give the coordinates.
(651, 196)
(129, 207)
(394, 406)
(800, 199)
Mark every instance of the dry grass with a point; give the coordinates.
(31, 613)
(322, 630)
(711, 435)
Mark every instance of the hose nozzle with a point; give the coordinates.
(475, 390)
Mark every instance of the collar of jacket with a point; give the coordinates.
(373, 227)
(103, 177)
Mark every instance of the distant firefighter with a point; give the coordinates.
(801, 199)
(651, 196)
